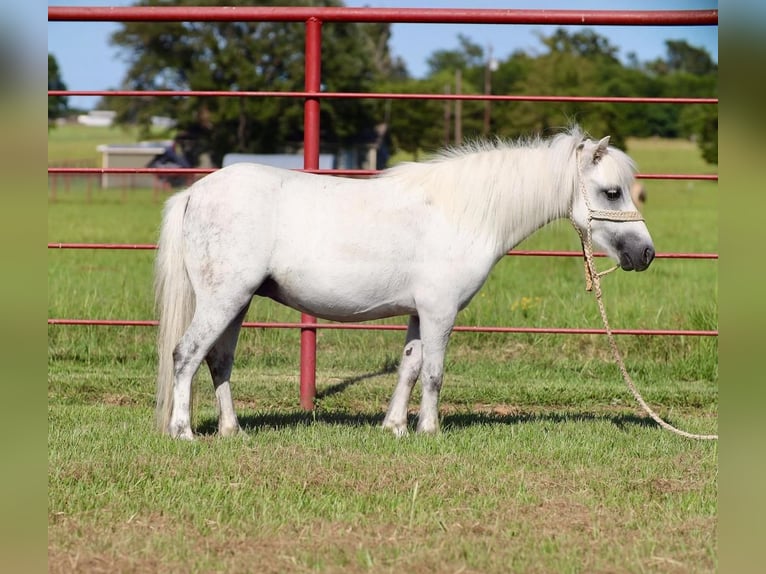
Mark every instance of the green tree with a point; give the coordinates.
(58, 106)
(254, 56)
(471, 61)
(427, 125)
(585, 43)
(470, 56)
(419, 125)
(688, 71)
(681, 57)
(574, 64)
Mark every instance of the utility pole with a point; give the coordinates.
(458, 107)
(490, 66)
(447, 116)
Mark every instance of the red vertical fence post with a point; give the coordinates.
(310, 161)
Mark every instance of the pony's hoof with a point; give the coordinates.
(231, 431)
(180, 431)
(399, 430)
(428, 428)
(185, 434)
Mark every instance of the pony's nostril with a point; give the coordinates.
(648, 255)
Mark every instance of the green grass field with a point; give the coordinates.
(544, 463)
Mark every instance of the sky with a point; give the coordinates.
(88, 62)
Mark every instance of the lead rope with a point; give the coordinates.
(593, 283)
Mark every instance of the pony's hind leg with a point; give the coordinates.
(207, 326)
(220, 360)
(409, 369)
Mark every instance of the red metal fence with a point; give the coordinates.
(312, 94)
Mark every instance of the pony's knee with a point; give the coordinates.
(413, 354)
(412, 360)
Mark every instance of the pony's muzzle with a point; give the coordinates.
(637, 259)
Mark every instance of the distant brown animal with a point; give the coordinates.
(638, 194)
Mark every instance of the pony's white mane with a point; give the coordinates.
(504, 189)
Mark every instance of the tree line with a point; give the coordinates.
(269, 56)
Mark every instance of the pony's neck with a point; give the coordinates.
(508, 192)
(535, 187)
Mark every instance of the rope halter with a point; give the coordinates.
(598, 214)
(593, 279)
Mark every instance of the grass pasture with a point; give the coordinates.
(544, 463)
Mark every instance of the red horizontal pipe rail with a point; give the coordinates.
(522, 253)
(378, 327)
(129, 170)
(369, 172)
(389, 15)
(355, 172)
(381, 96)
(126, 246)
(184, 170)
(698, 176)
(546, 253)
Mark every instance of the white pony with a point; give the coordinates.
(419, 239)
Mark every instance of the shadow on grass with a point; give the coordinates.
(260, 421)
(620, 420)
(387, 368)
(449, 421)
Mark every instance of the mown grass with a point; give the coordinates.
(544, 463)
(492, 493)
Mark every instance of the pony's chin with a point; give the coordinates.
(621, 258)
(626, 264)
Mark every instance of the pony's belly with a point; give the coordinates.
(342, 302)
(351, 314)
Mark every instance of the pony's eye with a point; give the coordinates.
(613, 194)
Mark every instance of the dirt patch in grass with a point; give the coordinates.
(119, 400)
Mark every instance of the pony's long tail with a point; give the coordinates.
(173, 298)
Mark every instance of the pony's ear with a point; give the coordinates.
(601, 149)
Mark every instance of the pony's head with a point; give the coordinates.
(602, 201)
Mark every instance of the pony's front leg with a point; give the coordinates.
(409, 369)
(435, 338)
